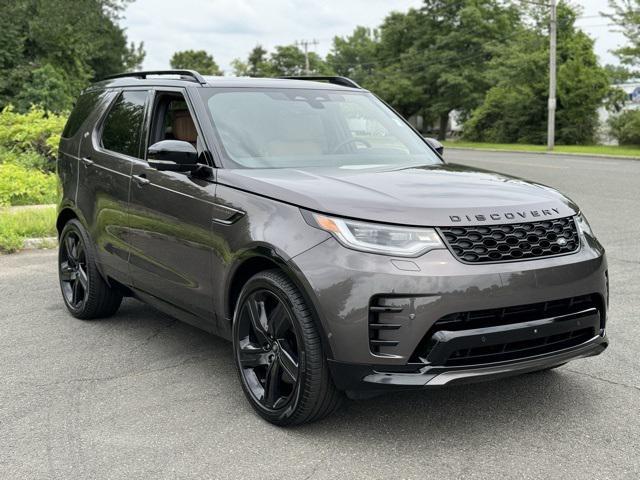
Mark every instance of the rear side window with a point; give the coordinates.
(123, 126)
(84, 106)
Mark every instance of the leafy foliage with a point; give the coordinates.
(35, 133)
(286, 60)
(22, 186)
(198, 60)
(625, 127)
(626, 14)
(431, 60)
(50, 50)
(257, 64)
(515, 108)
(28, 147)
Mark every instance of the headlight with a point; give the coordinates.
(583, 225)
(377, 238)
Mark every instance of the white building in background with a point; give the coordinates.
(632, 89)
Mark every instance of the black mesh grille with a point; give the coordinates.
(517, 241)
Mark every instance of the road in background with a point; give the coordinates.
(143, 396)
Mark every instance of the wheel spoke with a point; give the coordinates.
(70, 247)
(288, 363)
(75, 292)
(278, 321)
(258, 319)
(251, 356)
(66, 272)
(82, 278)
(79, 252)
(272, 384)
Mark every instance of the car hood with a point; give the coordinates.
(436, 195)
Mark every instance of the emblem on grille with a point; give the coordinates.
(562, 241)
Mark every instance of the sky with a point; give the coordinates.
(229, 29)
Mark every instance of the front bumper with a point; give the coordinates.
(346, 286)
(356, 378)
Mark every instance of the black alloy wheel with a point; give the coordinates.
(85, 293)
(279, 354)
(268, 349)
(74, 280)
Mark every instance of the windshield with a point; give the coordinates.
(298, 128)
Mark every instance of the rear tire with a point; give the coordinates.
(278, 353)
(84, 291)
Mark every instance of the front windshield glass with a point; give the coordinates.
(298, 128)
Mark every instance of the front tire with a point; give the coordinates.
(84, 291)
(278, 353)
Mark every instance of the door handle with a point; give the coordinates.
(141, 180)
(87, 161)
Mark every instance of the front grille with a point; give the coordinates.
(496, 317)
(514, 350)
(509, 242)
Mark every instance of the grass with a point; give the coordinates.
(626, 151)
(20, 223)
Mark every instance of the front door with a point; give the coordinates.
(170, 216)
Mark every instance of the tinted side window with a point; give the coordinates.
(84, 106)
(123, 126)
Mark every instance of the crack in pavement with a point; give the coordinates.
(155, 334)
(605, 380)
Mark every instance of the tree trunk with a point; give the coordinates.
(444, 124)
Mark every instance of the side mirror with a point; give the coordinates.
(173, 155)
(435, 144)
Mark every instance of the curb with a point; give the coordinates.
(567, 154)
(39, 243)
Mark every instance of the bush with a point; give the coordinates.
(24, 186)
(36, 132)
(625, 127)
(508, 115)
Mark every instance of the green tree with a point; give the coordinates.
(198, 60)
(618, 73)
(52, 49)
(626, 14)
(431, 60)
(257, 64)
(355, 56)
(515, 108)
(288, 60)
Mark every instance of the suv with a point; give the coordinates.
(308, 223)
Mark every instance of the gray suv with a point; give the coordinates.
(308, 223)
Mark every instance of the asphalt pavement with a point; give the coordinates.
(141, 395)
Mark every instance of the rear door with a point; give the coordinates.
(107, 155)
(170, 214)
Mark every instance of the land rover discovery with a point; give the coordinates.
(308, 223)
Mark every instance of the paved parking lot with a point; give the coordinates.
(143, 396)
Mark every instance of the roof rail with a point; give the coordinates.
(192, 74)
(336, 80)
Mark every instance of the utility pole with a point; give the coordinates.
(551, 122)
(305, 45)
